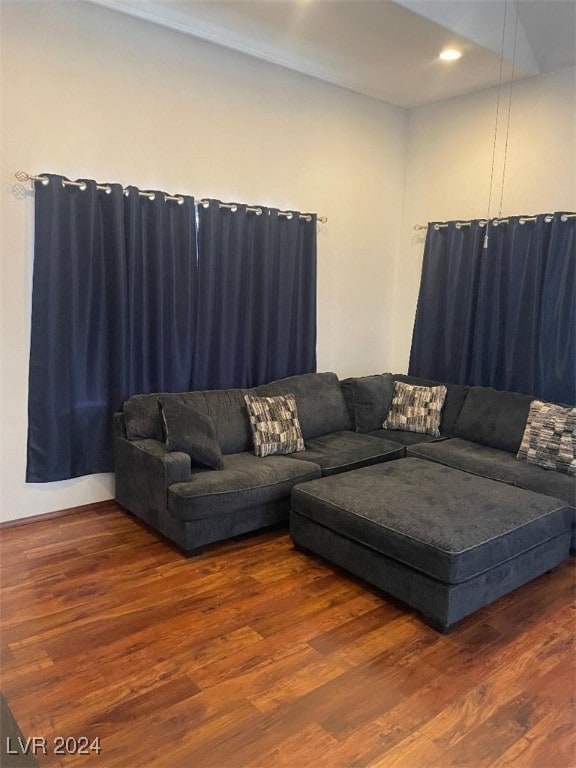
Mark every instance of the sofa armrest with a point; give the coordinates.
(145, 469)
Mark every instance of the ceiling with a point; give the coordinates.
(380, 48)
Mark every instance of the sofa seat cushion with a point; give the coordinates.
(497, 465)
(343, 451)
(245, 481)
(405, 438)
(448, 524)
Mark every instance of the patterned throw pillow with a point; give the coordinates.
(275, 425)
(549, 439)
(416, 409)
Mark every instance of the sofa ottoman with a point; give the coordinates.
(443, 541)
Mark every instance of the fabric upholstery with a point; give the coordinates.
(371, 397)
(144, 470)
(343, 451)
(319, 399)
(227, 409)
(441, 604)
(497, 465)
(275, 425)
(448, 524)
(549, 440)
(493, 418)
(404, 438)
(245, 481)
(347, 387)
(415, 409)
(192, 432)
(142, 418)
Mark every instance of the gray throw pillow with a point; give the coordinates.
(416, 409)
(275, 424)
(192, 432)
(549, 440)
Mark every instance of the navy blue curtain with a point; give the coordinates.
(502, 316)
(113, 313)
(257, 296)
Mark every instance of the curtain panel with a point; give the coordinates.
(502, 316)
(257, 288)
(130, 297)
(113, 313)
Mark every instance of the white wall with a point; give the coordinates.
(90, 93)
(449, 159)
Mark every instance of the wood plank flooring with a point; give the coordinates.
(256, 655)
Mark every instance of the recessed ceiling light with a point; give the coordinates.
(450, 54)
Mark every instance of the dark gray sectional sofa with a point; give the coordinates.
(481, 430)
(193, 506)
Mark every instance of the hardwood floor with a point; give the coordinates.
(255, 655)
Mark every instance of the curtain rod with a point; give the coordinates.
(24, 176)
(495, 222)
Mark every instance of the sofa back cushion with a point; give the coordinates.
(347, 387)
(142, 418)
(493, 418)
(227, 410)
(319, 400)
(371, 399)
(372, 396)
(225, 407)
